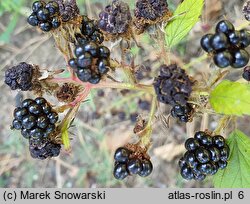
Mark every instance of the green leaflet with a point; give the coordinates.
(65, 136)
(237, 172)
(185, 17)
(231, 98)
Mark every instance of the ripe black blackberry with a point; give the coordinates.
(246, 73)
(35, 118)
(91, 62)
(148, 12)
(44, 149)
(68, 9)
(173, 85)
(227, 45)
(183, 113)
(45, 15)
(116, 18)
(20, 77)
(205, 156)
(89, 32)
(128, 163)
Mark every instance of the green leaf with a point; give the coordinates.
(65, 135)
(237, 172)
(185, 17)
(231, 98)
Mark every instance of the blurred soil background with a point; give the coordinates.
(106, 120)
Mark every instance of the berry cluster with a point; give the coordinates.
(91, 62)
(37, 121)
(205, 156)
(35, 118)
(20, 77)
(173, 85)
(127, 164)
(183, 113)
(116, 18)
(227, 45)
(43, 149)
(45, 15)
(149, 12)
(89, 32)
(246, 73)
(68, 9)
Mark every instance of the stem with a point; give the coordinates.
(196, 60)
(147, 132)
(114, 85)
(126, 69)
(222, 124)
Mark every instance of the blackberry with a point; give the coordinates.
(91, 62)
(227, 45)
(33, 20)
(52, 7)
(205, 43)
(215, 154)
(246, 10)
(38, 5)
(223, 59)
(44, 149)
(151, 10)
(183, 113)
(134, 166)
(20, 77)
(190, 159)
(186, 173)
(45, 15)
(68, 10)
(246, 73)
(244, 38)
(205, 156)
(173, 85)
(120, 171)
(234, 38)
(202, 155)
(191, 144)
(240, 58)
(218, 141)
(131, 161)
(219, 41)
(222, 164)
(147, 168)
(122, 154)
(148, 12)
(116, 18)
(224, 26)
(89, 32)
(34, 120)
(55, 22)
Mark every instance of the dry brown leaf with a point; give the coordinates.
(169, 151)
